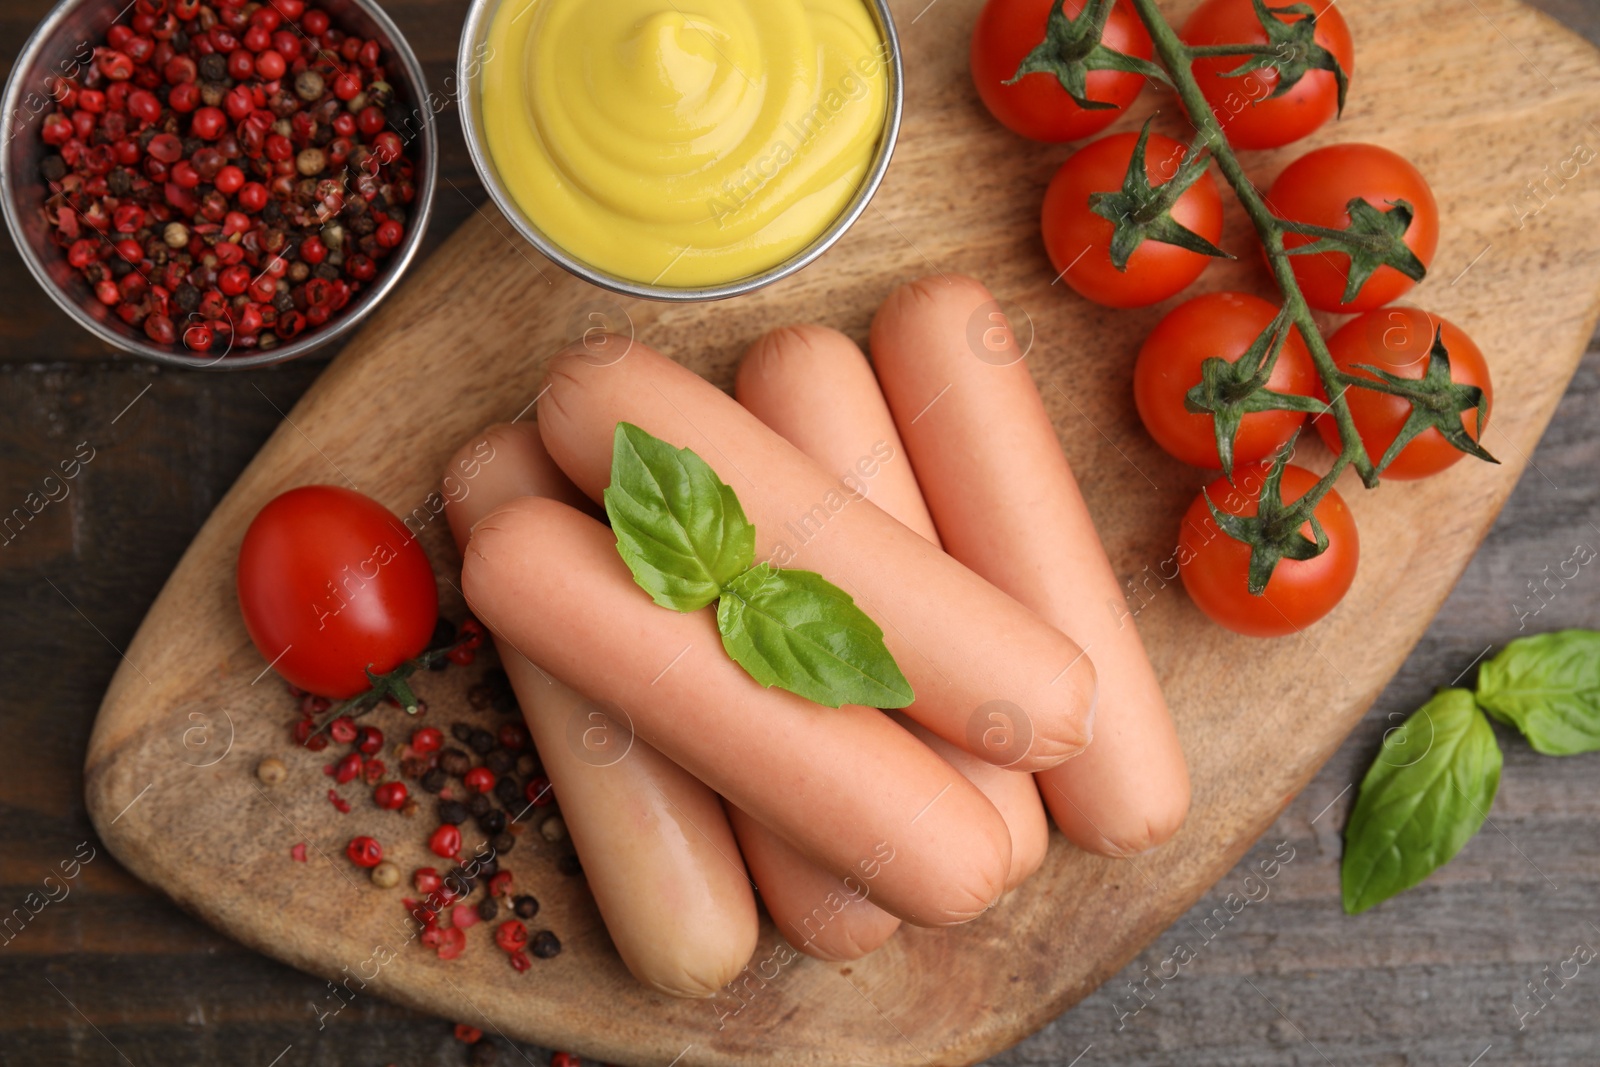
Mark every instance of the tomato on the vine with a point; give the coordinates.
(1398, 341)
(1222, 325)
(1317, 189)
(1036, 105)
(1079, 241)
(1215, 567)
(1243, 105)
(330, 584)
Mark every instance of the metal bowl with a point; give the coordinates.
(57, 48)
(469, 67)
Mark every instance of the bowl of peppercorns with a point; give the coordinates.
(218, 183)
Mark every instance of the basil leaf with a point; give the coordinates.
(679, 528)
(1548, 687)
(1427, 793)
(798, 631)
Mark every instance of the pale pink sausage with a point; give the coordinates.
(1007, 505)
(813, 386)
(962, 644)
(657, 850)
(850, 789)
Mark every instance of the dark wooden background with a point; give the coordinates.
(115, 974)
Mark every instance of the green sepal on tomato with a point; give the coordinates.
(1294, 85)
(1217, 568)
(1031, 58)
(1370, 222)
(1133, 261)
(333, 586)
(1173, 363)
(1406, 345)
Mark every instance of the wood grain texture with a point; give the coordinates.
(1125, 435)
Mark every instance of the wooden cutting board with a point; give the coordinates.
(1488, 98)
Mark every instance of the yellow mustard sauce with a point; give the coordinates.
(683, 143)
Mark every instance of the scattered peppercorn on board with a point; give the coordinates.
(1492, 102)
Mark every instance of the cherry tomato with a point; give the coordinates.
(1398, 340)
(1222, 325)
(1242, 105)
(1316, 188)
(331, 583)
(1079, 241)
(1215, 567)
(1037, 106)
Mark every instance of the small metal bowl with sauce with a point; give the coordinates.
(476, 53)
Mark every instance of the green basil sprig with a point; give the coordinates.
(1427, 793)
(1547, 686)
(684, 536)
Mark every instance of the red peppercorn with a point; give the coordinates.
(198, 337)
(83, 252)
(58, 129)
(479, 779)
(130, 250)
(386, 147)
(513, 737)
(229, 180)
(452, 943)
(184, 175)
(372, 770)
(519, 961)
(348, 768)
(390, 796)
(207, 124)
(364, 851)
(253, 197)
(511, 935)
(270, 65)
(233, 281)
(92, 100)
(371, 121)
(166, 147)
(159, 329)
(180, 70)
(460, 656)
(315, 23)
(106, 291)
(564, 1059)
(500, 884)
(347, 85)
(115, 65)
(239, 103)
(369, 740)
(241, 65)
(235, 222)
(428, 739)
(445, 841)
(369, 55)
(342, 729)
(538, 791)
(471, 1035)
(426, 880)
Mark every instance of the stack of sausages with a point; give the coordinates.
(930, 486)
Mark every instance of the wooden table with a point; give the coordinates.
(114, 973)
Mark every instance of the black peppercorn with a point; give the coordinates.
(483, 1053)
(461, 731)
(214, 67)
(546, 945)
(479, 805)
(526, 906)
(482, 742)
(488, 908)
(506, 703)
(479, 696)
(53, 168)
(502, 843)
(508, 791)
(433, 780)
(488, 867)
(453, 812)
(500, 761)
(570, 865)
(455, 762)
(492, 821)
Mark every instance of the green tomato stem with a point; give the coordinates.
(1178, 57)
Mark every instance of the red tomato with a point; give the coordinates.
(1316, 188)
(1222, 325)
(1079, 241)
(1215, 566)
(1036, 106)
(1241, 104)
(1398, 340)
(331, 583)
